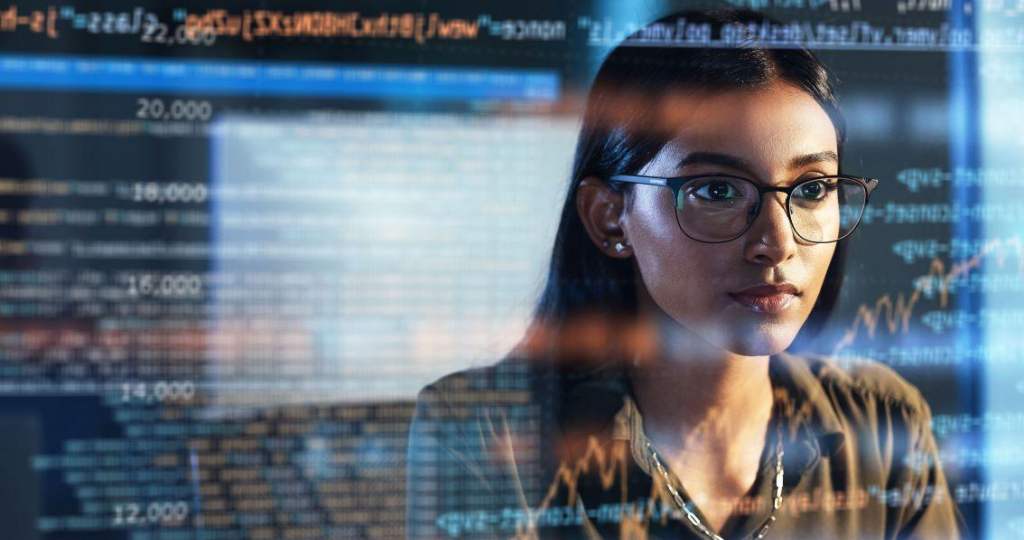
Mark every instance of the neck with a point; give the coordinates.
(698, 398)
(709, 403)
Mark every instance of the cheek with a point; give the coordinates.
(817, 258)
(659, 247)
(680, 274)
(683, 277)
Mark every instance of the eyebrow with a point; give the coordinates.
(735, 162)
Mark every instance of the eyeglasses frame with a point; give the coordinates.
(675, 183)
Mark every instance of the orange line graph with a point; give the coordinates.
(611, 465)
(607, 465)
(896, 313)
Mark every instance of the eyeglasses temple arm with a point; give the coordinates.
(650, 180)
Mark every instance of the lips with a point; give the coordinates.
(766, 298)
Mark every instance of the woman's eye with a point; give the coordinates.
(814, 191)
(717, 190)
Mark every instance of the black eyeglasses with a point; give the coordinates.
(716, 208)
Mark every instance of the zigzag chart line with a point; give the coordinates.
(897, 313)
(609, 465)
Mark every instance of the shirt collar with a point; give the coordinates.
(599, 403)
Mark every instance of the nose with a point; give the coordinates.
(770, 239)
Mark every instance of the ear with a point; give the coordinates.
(600, 209)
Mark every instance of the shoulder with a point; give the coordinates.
(865, 394)
(508, 384)
(867, 379)
(504, 376)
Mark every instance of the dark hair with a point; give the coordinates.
(616, 138)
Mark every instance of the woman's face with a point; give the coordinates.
(720, 293)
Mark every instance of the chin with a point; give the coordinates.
(744, 335)
(761, 340)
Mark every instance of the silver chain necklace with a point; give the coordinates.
(762, 530)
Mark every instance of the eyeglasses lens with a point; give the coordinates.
(716, 209)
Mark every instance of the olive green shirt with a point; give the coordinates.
(527, 449)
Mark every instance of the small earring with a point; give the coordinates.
(605, 243)
(620, 247)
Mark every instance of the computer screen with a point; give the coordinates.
(236, 240)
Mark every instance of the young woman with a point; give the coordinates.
(653, 397)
